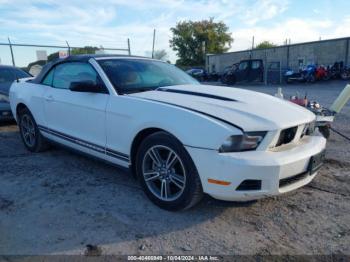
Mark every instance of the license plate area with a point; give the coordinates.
(316, 162)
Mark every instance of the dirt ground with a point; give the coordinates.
(57, 202)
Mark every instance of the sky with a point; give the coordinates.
(110, 22)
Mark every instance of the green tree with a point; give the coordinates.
(193, 39)
(84, 50)
(160, 55)
(265, 44)
(75, 51)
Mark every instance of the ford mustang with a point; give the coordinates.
(180, 138)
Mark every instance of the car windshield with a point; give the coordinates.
(22, 74)
(137, 75)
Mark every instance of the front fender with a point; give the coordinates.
(127, 116)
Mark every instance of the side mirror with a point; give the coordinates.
(85, 86)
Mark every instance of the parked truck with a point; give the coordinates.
(250, 70)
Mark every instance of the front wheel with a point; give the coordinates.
(167, 173)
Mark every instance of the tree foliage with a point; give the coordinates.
(188, 38)
(160, 54)
(265, 44)
(75, 51)
(84, 50)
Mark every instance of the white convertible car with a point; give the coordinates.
(180, 138)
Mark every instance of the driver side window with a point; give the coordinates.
(67, 73)
(243, 66)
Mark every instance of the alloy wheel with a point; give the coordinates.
(164, 173)
(28, 130)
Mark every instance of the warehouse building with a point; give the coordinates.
(292, 56)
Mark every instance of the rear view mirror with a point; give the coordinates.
(85, 86)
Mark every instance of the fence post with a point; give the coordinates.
(68, 48)
(265, 77)
(129, 51)
(280, 72)
(13, 59)
(287, 56)
(346, 52)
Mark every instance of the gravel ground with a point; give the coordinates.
(57, 202)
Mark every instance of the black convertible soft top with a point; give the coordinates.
(73, 58)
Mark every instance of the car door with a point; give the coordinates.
(256, 72)
(76, 118)
(242, 71)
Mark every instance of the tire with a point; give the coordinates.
(176, 187)
(30, 134)
(345, 76)
(230, 80)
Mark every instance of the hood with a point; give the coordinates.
(249, 110)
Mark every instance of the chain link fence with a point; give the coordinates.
(32, 58)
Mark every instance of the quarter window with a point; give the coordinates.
(48, 78)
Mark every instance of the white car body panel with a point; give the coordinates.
(80, 115)
(105, 126)
(254, 111)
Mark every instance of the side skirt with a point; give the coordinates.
(86, 147)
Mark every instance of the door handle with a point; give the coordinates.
(49, 98)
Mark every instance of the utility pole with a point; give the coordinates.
(251, 51)
(129, 51)
(154, 38)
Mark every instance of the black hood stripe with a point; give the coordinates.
(194, 110)
(196, 94)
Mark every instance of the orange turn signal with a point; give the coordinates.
(218, 182)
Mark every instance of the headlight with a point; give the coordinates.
(244, 142)
(4, 98)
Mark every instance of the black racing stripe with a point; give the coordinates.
(197, 111)
(196, 94)
(108, 150)
(117, 156)
(86, 144)
(74, 140)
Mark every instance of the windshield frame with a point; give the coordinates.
(125, 91)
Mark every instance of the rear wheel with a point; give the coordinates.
(167, 172)
(30, 134)
(345, 75)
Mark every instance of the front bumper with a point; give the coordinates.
(269, 167)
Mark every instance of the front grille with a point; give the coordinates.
(293, 179)
(287, 136)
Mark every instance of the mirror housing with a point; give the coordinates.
(85, 86)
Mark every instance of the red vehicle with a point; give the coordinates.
(321, 73)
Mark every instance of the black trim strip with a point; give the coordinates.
(113, 152)
(197, 111)
(86, 144)
(196, 94)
